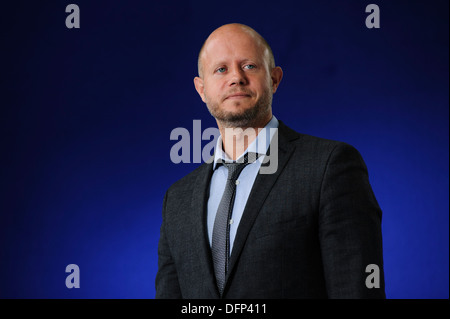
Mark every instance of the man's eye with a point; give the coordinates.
(250, 66)
(221, 70)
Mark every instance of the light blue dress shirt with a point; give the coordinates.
(246, 179)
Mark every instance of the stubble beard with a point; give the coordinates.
(251, 117)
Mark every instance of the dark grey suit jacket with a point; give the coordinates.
(308, 231)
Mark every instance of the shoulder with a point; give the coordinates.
(186, 184)
(313, 146)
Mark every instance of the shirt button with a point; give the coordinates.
(231, 221)
(237, 182)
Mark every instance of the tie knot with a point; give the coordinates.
(235, 168)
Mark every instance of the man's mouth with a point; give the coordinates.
(237, 96)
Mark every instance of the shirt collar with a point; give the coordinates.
(259, 145)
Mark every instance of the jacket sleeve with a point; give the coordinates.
(350, 228)
(166, 283)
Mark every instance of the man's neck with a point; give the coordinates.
(235, 140)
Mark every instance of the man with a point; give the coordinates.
(308, 229)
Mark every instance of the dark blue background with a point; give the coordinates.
(86, 116)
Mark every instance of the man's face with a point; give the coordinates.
(236, 81)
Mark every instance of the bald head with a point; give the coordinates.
(237, 77)
(226, 31)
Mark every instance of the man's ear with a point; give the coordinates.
(198, 83)
(276, 75)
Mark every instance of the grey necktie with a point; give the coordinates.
(221, 231)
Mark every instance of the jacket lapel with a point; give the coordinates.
(261, 189)
(199, 201)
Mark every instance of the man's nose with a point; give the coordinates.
(238, 77)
